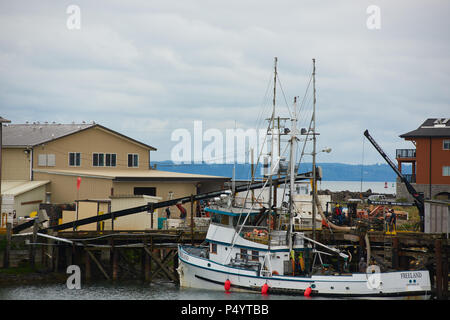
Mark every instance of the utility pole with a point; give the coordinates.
(2, 121)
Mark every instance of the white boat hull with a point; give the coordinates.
(202, 273)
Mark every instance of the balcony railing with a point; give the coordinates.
(405, 153)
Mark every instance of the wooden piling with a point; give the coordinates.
(445, 293)
(115, 267)
(8, 245)
(87, 262)
(395, 253)
(192, 219)
(32, 253)
(438, 260)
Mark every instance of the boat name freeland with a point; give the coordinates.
(410, 275)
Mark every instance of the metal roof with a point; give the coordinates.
(134, 175)
(17, 187)
(30, 135)
(433, 127)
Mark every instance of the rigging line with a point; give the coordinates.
(306, 92)
(362, 163)
(284, 96)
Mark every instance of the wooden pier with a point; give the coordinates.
(152, 254)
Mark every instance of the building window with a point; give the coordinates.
(46, 160)
(446, 144)
(446, 171)
(98, 159)
(74, 159)
(104, 159)
(133, 160)
(148, 191)
(213, 248)
(110, 159)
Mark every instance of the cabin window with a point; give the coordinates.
(215, 218)
(74, 159)
(213, 248)
(133, 160)
(244, 254)
(225, 219)
(446, 145)
(255, 255)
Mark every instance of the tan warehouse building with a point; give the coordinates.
(107, 162)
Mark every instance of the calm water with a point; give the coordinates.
(127, 291)
(355, 186)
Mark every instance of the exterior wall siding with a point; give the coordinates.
(179, 189)
(87, 142)
(439, 158)
(64, 188)
(15, 164)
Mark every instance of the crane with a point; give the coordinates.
(417, 197)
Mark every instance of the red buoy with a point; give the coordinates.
(227, 285)
(307, 292)
(264, 288)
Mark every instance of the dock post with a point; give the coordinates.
(192, 219)
(115, 267)
(438, 260)
(8, 246)
(395, 253)
(87, 262)
(32, 253)
(445, 275)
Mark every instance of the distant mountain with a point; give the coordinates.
(330, 171)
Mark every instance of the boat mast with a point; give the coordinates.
(274, 147)
(293, 143)
(314, 153)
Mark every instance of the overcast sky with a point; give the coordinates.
(146, 68)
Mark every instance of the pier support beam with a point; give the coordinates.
(438, 261)
(8, 245)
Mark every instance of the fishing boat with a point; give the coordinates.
(254, 248)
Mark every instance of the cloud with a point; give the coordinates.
(146, 68)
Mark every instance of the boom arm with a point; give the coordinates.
(418, 198)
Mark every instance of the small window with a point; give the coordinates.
(213, 248)
(133, 160)
(42, 160)
(110, 159)
(244, 254)
(98, 159)
(74, 159)
(46, 160)
(446, 145)
(255, 255)
(148, 191)
(446, 171)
